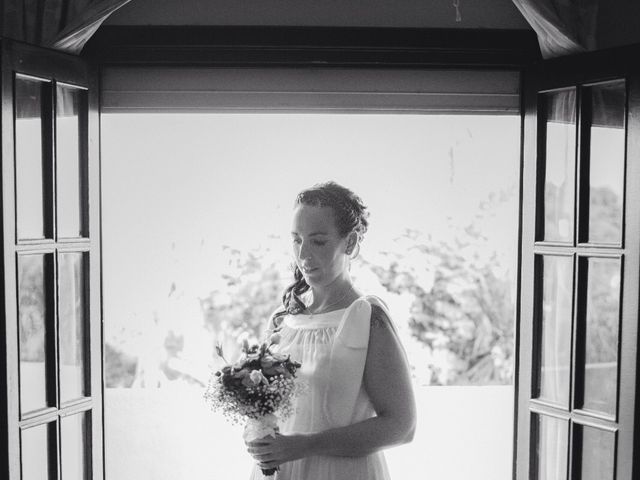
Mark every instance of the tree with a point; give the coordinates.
(120, 368)
(254, 285)
(463, 300)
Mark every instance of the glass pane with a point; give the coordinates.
(72, 322)
(552, 445)
(607, 152)
(598, 454)
(74, 447)
(32, 314)
(555, 329)
(71, 158)
(602, 324)
(560, 111)
(30, 115)
(35, 452)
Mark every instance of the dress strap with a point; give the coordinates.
(375, 300)
(353, 330)
(346, 364)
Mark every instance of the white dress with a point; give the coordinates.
(332, 349)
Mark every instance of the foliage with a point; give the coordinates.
(32, 307)
(120, 368)
(462, 291)
(462, 298)
(605, 210)
(462, 305)
(242, 308)
(603, 310)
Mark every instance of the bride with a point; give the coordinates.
(360, 399)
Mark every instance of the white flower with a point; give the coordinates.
(274, 338)
(256, 377)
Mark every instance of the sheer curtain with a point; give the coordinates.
(563, 26)
(64, 25)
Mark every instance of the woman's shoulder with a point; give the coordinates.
(373, 307)
(376, 303)
(380, 316)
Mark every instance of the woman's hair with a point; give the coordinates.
(350, 215)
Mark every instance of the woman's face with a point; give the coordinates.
(318, 248)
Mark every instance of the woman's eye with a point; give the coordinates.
(318, 243)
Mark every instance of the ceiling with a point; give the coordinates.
(486, 14)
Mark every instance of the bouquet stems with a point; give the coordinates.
(257, 428)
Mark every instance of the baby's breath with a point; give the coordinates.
(239, 395)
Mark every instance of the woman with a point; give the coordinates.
(360, 398)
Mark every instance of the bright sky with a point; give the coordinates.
(178, 186)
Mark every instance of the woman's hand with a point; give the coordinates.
(270, 452)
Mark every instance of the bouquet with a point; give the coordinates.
(255, 390)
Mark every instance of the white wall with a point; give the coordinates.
(463, 433)
(499, 14)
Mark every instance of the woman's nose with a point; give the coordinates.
(304, 253)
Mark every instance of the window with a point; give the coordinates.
(578, 264)
(215, 192)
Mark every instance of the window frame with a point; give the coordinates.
(390, 48)
(217, 46)
(362, 48)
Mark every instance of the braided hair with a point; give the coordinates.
(350, 215)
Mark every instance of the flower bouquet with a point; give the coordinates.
(255, 390)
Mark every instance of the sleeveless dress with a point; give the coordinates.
(332, 349)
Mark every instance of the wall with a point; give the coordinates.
(618, 23)
(498, 14)
(463, 433)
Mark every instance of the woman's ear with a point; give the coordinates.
(352, 242)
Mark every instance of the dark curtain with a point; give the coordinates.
(563, 26)
(64, 25)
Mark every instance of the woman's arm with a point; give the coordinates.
(388, 384)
